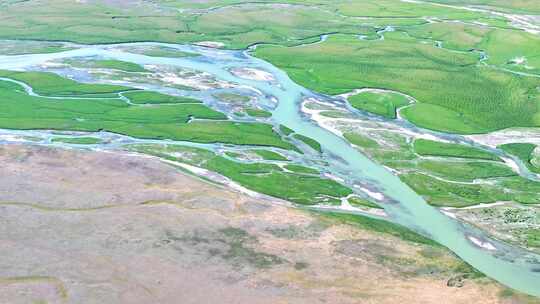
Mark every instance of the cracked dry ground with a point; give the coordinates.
(96, 227)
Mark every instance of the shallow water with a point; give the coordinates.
(513, 267)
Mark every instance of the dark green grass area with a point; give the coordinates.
(105, 64)
(270, 155)
(465, 171)
(427, 147)
(258, 113)
(149, 97)
(78, 140)
(455, 94)
(310, 142)
(50, 84)
(22, 111)
(285, 130)
(362, 202)
(384, 104)
(268, 179)
(523, 151)
(301, 169)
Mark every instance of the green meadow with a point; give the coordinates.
(106, 64)
(171, 121)
(149, 97)
(269, 155)
(77, 140)
(436, 148)
(50, 84)
(523, 151)
(381, 103)
(270, 179)
(454, 93)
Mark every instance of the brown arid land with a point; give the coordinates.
(102, 227)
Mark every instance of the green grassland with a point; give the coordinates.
(441, 193)
(285, 130)
(49, 84)
(237, 26)
(232, 98)
(149, 97)
(454, 94)
(301, 169)
(465, 171)
(524, 152)
(106, 64)
(447, 181)
(503, 46)
(258, 113)
(384, 104)
(315, 145)
(22, 111)
(360, 140)
(455, 36)
(436, 148)
(268, 179)
(269, 155)
(77, 140)
(361, 202)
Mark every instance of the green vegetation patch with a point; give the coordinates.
(356, 201)
(454, 93)
(270, 155)
(51, 84)
(149, 97)
(360, 140)
(22, 111)
(301, 169)
(285, 130)
(232, 97)
(106, 64)
(268, 179)
(380, 103)
(258, 113)
(523, 151)
(77, 140)
(427, 147)
(441, 193)
(465, 171)
(310, 142)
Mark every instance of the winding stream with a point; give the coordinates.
(511, 266)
